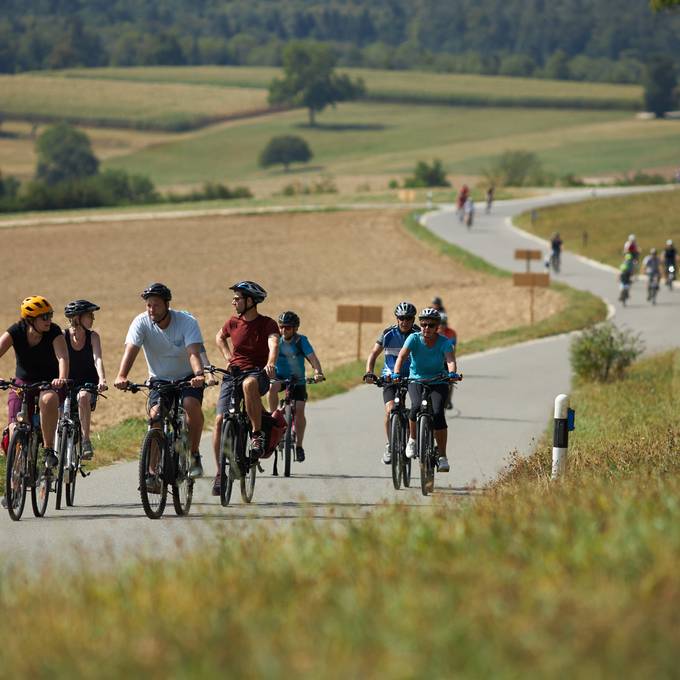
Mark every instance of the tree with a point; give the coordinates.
(310, 79)
(659, 82)
(428, 175)
(285, 150)
(64, 153)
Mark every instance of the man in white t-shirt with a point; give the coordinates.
(172, 344)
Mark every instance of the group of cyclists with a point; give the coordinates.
(653, 266)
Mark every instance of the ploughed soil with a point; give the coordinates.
(309, 262)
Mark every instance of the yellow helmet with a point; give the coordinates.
(34, 306)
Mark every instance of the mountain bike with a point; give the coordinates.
(624, 288)
(23, 470)
(555, 261)
(69, 444)
(236, 461)
(288, 444)
(165, 455)
(426, 449)
(652, 287)
(670, 276)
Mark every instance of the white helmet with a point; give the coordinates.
(669, 243)
(631, 237)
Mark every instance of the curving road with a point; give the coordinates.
(503, 405)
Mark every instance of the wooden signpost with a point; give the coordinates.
(529, 278)
(359, 314)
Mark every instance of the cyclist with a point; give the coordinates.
(172, 345)
(85, 362)
(390, 341)
(630, 247)
(652, 267)
(41, 356)
(293, 350)
(469, 211)
(448, 332)
(249, 343)
(670, 257)
(626, 274)
(489, 197)
(436, 303)
(431, 355)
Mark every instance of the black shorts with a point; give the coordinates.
(389, 393)
(297, 393)
(227, 388)
(439, 396)
(195, 392)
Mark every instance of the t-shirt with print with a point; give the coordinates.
(292, 353)
(166, 349)
(38, 363)
(392, 340)
(249, 340)
(427, 362)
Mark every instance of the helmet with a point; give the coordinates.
(289, 319)
(443, 318)
(34, 306)
(405, 309)
(157, 289)
(251, 289)
(631, 237)
(78, 307)
(437, 301)
(652, 251)
(430, 313)
(669, 243)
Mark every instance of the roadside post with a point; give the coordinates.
(564, 424)
(530, 279)
(429, 200)
(359, 314)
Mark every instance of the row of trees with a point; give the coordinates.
(607, 40)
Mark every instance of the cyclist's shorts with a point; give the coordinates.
(227, 388)
(297, 393)
(389, 393)
(195, 392)
(14, 401)
(93, 400)
(439, 396)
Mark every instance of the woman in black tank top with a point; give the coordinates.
(85, 361)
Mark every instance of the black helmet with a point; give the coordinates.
(430, 313)
(437, 301)
(289, 319)
(157, 289)
(405, 309)
(78, 307)
(251, 289)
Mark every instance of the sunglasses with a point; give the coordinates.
(429, 325)
(406, 318)
(286, 328)
(47, 316)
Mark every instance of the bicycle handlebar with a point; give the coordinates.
(160, 385)
(383, 381)
(42, 385)
(295, 381)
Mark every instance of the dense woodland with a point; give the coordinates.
(607, 40)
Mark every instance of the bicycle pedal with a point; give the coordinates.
(83, 473)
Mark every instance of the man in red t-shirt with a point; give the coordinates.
(249, 343)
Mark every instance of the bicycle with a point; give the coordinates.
(398, 434)
(70, 444)
(287, 404)
(426, 449)
(164, 458)
(670, 276)
(652, 287)
(236, 460)
(22, 455)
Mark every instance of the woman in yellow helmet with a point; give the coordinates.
(41, 356)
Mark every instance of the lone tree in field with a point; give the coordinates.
(310, 79)
(660, 82)
(285, 150)
(64, 153)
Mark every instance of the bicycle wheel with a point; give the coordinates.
(75, 452)
(61, 454)
(40, 490)
(395, 446)
(425, 446)
(288, 440)
(405, 462)
(16, 475)
(247, 480)
(183, 488)
(152, 488)
(227, 453)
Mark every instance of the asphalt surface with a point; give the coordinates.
(502, 406)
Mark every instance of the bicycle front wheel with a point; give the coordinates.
(396, 444)
(227, 453)
(425, 453)
(183, 488)
(247, 480)
(152, 488)
(75, 452)
(405, 462)
(61, 454)
(288, 442)
(16, 475)
(40, 491)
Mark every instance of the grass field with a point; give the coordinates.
(608, 221)
(532, 579)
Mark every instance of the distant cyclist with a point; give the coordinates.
(670, 256)
(432, 355)
(85, 362)
(172, 344)
(489, 198)
(556, 251)
(390, 341)
(293, 350)
(436, 303)
(652, 268)
(450, 334)
(626, 270)
(249, 343)
(630, 247)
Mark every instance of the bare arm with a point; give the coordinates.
(98, 361)
(5, 342)
(316, 364)
(375, 353)
(404, 354)
(450, 357)
(222, 343)
(129, 356)
(273, 344)
(61, 352)
(194, 351)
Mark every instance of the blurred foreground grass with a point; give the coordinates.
(533, 579)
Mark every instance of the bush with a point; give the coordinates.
(211, 191)
(428, 176)
(517, 169)
(641, 178)
(602, 353)
(284, 150)
(323, 185)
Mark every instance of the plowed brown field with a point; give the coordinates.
(307, 262)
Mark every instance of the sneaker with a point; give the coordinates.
(196, 469)
(257, 444)
(153, 484)
(51, 459)
(299, 454)
(3, 501)
(411, 448)
(387, 456)
(217, 486)
(443, 464)
(449, 406)
(88, 450)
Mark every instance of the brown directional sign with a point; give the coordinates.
(528, 255)
(529, 279)
(359, 314)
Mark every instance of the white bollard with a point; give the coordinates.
(560, 436)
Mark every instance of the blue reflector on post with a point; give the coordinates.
(571, 420)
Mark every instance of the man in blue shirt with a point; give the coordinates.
(293, 350)
(390, 341)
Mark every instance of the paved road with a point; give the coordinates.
(503, 405)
